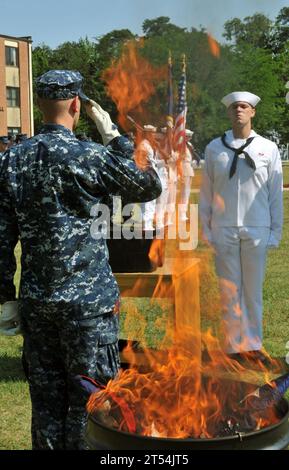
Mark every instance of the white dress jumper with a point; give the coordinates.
(242, 217)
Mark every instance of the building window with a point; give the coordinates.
(13, 97)
(11, 54)
(13, 130)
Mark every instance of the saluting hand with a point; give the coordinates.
(107, 129)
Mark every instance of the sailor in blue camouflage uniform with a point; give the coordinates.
(68, 294)
(4, 141)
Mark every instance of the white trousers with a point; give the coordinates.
(148, 214)
(161, 202)
(156, 209)
(172, 197)
(240, 257)
(185, 190)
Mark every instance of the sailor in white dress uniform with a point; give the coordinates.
(242, 216)
(146, 150)
(187, 172)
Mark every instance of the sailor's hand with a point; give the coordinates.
(9, 319)
(107, 129)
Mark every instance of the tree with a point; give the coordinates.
(206, 76)
(41, 60)
(249, 62)
(254, 30)
(81, 56)
(160, 26)
(257, 71)
(280, 34)
(110, 45)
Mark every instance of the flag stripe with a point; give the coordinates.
(179, 138)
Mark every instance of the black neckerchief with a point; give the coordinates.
(238, 152)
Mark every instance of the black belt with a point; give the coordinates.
(238, 152)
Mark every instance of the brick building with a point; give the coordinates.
(16, 98)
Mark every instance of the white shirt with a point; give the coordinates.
(249, 198)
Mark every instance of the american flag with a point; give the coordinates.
(180, 123)
(170, 109)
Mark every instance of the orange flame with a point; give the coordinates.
(172, 401)
(214, 46)
(178, 390)
(156, 253)
(180, 395)
(131, 81)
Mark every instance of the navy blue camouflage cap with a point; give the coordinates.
(4, 139)
(60, 85)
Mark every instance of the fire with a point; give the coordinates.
(175, 401)
(214, 46)
(131, 81)
(187, 386)
(156, 254)
(178, 394)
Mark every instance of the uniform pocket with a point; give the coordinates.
(88, 322)
(108, 362)
(108, 329)
(108, 338)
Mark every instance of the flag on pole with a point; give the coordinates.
(170, 107)
(180, 123)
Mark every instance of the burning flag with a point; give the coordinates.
(268, 394)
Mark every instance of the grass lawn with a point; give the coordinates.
(14, 398)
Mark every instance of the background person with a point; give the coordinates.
(172, 169)
(187, 172)
(4, 143)
(146, 151)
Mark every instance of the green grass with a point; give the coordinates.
(286, 173)
(14, 398)
(276, 293)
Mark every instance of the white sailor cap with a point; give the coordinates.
(149, 128)
(189, 133)
(164, 130)
(245, 96)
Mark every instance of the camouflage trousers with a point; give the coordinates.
(61, 342)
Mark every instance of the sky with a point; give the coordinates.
(55, 21)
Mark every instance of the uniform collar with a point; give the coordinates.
(55, 129)
(230, 139)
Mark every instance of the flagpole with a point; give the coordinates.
(184, 63)
(170, 118)
(170, 107)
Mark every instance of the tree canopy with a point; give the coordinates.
(254, 58)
